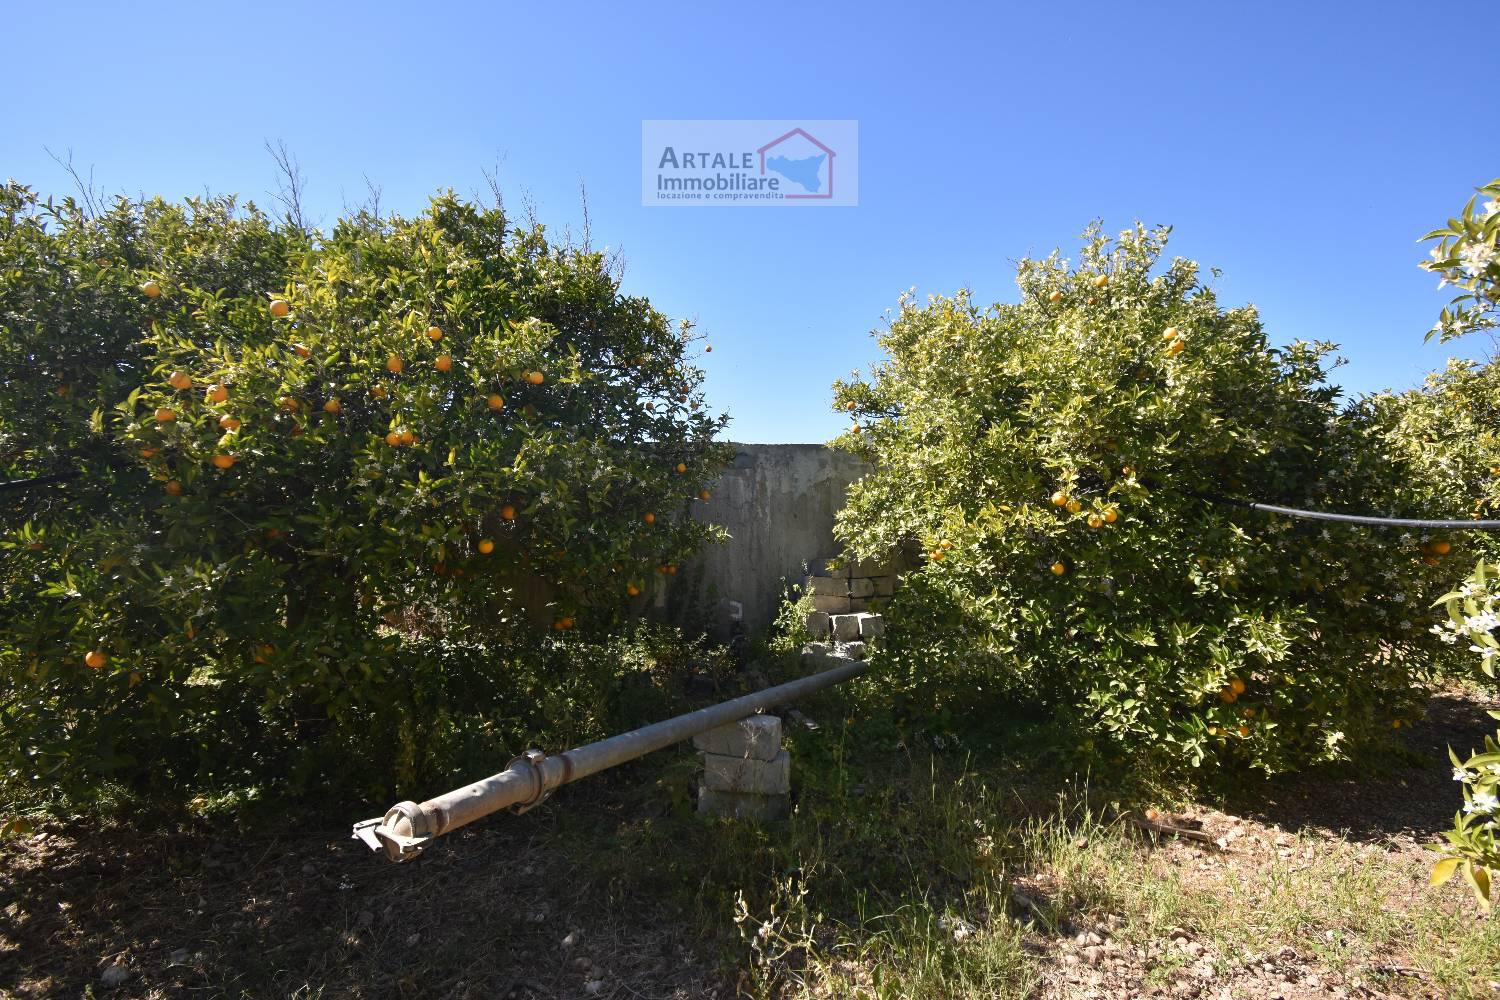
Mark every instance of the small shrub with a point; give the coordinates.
(1467, 255)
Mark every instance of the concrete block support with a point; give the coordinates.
(746, 774)
(742, 805)
(757, 737)
(755, 777)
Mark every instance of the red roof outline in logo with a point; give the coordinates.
(797, 131)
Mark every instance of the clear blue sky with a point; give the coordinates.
(1301, 151)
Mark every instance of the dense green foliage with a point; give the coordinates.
(1066, 464)
(327, 491)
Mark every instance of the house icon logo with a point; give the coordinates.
(804, 161)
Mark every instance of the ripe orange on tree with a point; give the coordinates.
(280, 307)
(224, 461)
(1055, 297)
(632, 590)
(216, 393)
(495, 401)
(1101, 281)
(151, 289)
(394, 364)
(180, 381)
(434, 333)
(444, 362)
(648, 517)
(704, 495)
(1058, 569)
(486, 546)
(332, 405)
(681, 468)
(165, 415)
(173, 488)
(535, 378)
(508, 512)
(95, 659)
(1059, 499)
(393, 439)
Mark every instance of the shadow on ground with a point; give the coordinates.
(1405, 796)
(315, 914)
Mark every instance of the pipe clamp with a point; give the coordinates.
(533, 759)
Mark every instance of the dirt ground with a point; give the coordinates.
(1362, 836)
(511, 908)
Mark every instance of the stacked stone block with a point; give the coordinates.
(746, 773)
(844, 593)
(840, 587)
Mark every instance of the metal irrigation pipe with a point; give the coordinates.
(407, 827)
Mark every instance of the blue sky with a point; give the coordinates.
(1302, 151)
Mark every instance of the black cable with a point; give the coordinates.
(1378, 522)
(25, 484)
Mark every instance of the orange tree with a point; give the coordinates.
(328, 492)
(1063, 465)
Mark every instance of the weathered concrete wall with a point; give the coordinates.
(778, 502)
